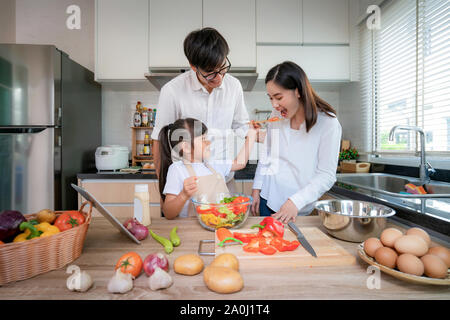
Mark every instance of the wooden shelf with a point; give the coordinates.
(134, 143)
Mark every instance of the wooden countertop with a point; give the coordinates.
(104, 245)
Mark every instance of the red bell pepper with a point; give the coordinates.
(267, 249)
(270, 227)
(253, 246)
(245, 237)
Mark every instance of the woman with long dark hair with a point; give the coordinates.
(302, 148)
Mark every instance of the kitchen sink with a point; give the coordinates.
(393, 184)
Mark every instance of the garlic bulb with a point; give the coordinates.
(120, 282)
(79, 280)
(160, 279)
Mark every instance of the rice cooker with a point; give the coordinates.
(111, 157)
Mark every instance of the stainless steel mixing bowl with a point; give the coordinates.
(353, 220)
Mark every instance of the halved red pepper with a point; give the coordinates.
(245, 237)
(253, 246)
(267, 249)
(270, 227)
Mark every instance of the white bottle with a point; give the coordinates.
(141, 204)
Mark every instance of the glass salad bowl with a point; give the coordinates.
(227, 210)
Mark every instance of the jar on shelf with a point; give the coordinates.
(144, 121)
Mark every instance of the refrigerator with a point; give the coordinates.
(50, 126)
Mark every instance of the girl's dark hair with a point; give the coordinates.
(206, 49)
(170, 136)
(289, 75)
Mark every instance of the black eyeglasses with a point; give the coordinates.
(213, 75)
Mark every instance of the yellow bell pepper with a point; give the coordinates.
(23, 236)
(49, 231)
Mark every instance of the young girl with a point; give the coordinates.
(185, 172)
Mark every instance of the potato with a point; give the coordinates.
(222, 280)
(188, 264)
(46, 215)
(227, 260)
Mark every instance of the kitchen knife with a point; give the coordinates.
(301, 238)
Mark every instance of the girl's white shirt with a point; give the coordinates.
(177, 173)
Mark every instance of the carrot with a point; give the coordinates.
(223, 233)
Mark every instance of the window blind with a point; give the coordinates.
(405, 76)
(434, 73)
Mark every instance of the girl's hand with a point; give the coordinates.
(254, 210)
(288, 212)
(190, 186)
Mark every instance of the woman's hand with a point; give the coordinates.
(288, 212)
(260, 133)
(254, 210)
(190, 187)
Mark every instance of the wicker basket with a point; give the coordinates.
(23, 260)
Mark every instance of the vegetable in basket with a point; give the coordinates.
(69, 220)
(10, 221)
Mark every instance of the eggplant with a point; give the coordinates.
(10, 221)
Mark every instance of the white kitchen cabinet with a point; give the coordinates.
(326, 22)
(121, 39)
(235, 20)
(279, 21)
(320, 63)
(170, 23)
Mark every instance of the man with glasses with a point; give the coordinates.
(207, 93)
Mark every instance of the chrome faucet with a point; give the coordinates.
(425, 169)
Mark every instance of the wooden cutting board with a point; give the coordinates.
(329, 253)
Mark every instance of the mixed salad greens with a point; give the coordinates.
(227, 213)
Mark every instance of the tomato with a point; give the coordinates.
(244, 237)
(1, 242)
(267, 249)
(130, 262)
(69, 220)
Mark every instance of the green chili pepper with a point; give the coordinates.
(34, 232)
(34, 222)
(174, 238)
(168, 246)
(221, 243)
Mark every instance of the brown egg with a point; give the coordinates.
(389, 235)
(409, 263)
(442, 253)
(421, 233)
(386, 256)
(371, 245)
(434, 266)
(411, 244)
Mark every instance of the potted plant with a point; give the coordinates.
(348, 155)
(348, 162)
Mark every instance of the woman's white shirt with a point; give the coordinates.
(298, 165)
(177, 173)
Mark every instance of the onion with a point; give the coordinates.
(136, 228)
(155, 260)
